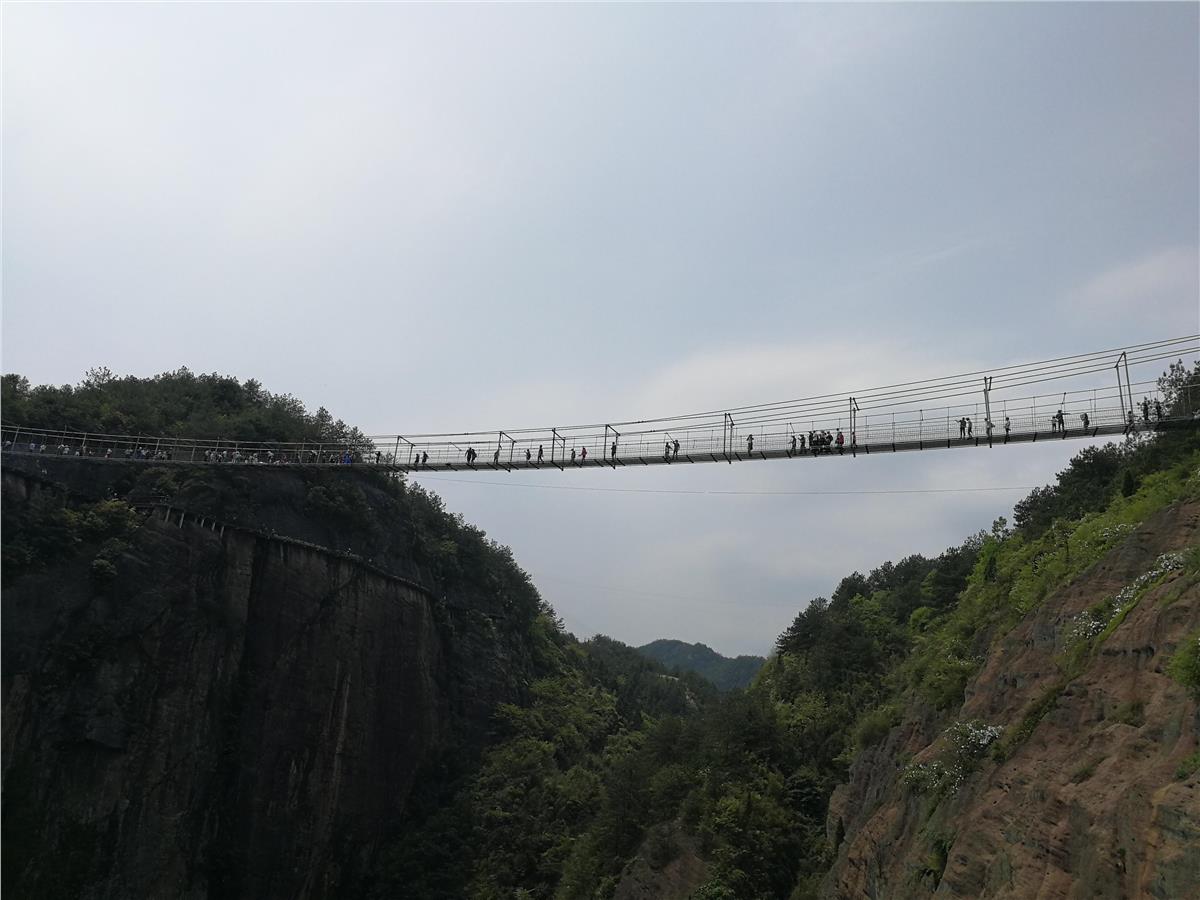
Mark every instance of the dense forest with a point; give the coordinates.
(724, 672)
(611, 763)
(173, 404)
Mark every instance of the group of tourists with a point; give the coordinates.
(577, 457)
(824, 442)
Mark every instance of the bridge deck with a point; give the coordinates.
(865, 449)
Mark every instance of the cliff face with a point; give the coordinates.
(1087, 797)
(230, 715)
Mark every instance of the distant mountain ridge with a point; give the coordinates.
(722, 671)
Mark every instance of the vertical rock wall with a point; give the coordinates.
(232, 716)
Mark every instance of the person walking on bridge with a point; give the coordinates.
(1129, 423)
(675, 449)
(749, 444)
(1146, 410)
(583, 455)
(841, 442)
(962, 428)
(528, 455)
(572, 456)
(1062, 423)
(496, 457)
(614, 450)
(792, 448)
(1007, 428)
(667, 451)
(970, 428)
(541, 454)
(425, 458)
(1083, 417)
(1158, 410)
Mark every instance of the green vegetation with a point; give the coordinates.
(1189, 767)
(1184, 666)
(173, 404)
(609, 755)
(1086, 771)
(958, 753)
(47, 531)
(727, 674)
(1131, 712)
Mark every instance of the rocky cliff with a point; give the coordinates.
(1066, 772)
(228, 712)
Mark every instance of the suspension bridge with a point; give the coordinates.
(1107, 392)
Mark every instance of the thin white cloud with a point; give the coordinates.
(1163, 282)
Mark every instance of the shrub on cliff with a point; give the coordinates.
(1184, 666)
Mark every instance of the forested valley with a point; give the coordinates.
(593, 772)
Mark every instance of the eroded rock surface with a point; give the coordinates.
(1089, 804)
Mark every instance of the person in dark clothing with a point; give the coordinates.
(675, 449)
(425, 458)
(496, 457)
(962, 427)
(528, 455)
(749, 443)
(841, 442)
(1158, 410)
(541, 454)
(614, 449)
(792, 448)
(583, 455)
(1145, 410)
(1129, 423)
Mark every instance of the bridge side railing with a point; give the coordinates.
(873, 432)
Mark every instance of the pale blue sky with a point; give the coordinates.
(461, 216)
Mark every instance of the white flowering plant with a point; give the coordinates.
(1093, 621)
(963, 744)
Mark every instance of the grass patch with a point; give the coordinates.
(1086, 771)
(1189, 766)
(1131, 713)
(875, 724)
(1184, 665)
(1040, 708)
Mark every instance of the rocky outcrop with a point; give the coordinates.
(667, 866)
(1088, 801)
(231, 715)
